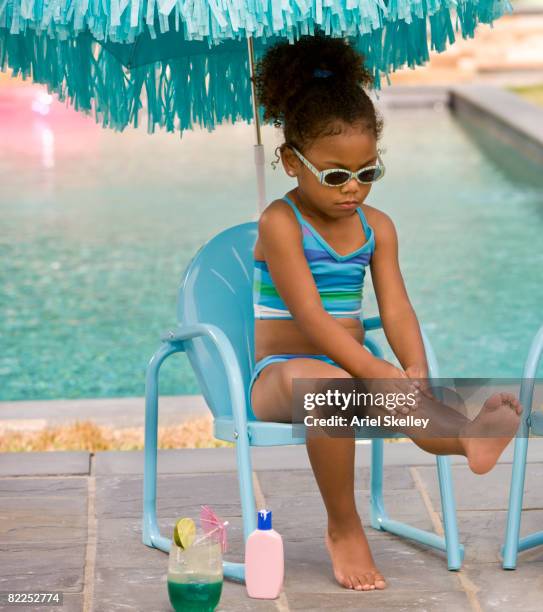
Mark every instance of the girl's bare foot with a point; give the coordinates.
(498, 421)
(353, 563)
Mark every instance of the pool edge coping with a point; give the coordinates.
(516, 119)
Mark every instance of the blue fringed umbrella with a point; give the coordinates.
(187, 60)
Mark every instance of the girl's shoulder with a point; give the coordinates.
(278, 212)
(278, 222)
(378, 220)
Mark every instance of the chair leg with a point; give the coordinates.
(455, 552)
(236, 571)
(380, 520)
(151, 532)
(512, 545)
(534, 539)
(246, 490)
(377, 506)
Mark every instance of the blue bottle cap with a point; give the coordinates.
(264, 519)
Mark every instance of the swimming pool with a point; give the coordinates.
(97, 228)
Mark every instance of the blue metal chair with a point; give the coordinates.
(216, 331)
(531, 423)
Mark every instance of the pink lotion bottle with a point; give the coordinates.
(264, 560)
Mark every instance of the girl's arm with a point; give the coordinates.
(281, 240)
(400, 323)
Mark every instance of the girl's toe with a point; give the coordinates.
(344, 580)
(514, 403)
(367, 582)
(379, 581)
(355, 584)
(347, 583)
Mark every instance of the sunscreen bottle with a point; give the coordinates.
(264, 560)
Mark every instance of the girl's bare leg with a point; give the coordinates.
(481, 440)
(346, 541)
(352, 561)
(496, 423)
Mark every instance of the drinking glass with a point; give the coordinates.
(195, 574)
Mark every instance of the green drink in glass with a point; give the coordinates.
(194, 596)
(195, 574)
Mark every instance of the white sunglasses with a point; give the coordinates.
(336, 177)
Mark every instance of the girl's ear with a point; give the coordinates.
(290, 161)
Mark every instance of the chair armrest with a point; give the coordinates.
(236, 390)
(372, 323)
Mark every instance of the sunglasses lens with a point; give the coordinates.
(370, 175)
(336, 178)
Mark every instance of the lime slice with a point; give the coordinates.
(184, 532)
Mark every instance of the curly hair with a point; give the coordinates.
(308, 86)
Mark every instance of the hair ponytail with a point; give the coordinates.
(305, 86)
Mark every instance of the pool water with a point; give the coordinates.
(97, 228)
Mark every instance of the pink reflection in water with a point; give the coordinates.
(36, 128)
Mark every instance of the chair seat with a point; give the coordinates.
(262, 433)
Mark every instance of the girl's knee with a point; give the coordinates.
(340, 373)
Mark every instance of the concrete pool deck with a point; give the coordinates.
(116, 412)
(71, 522)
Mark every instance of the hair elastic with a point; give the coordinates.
(322, 74)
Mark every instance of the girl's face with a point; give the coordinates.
(352, 149)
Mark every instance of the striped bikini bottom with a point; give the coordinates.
(260, 365)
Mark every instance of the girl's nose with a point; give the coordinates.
(350, 186)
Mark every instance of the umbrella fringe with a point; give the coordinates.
(176, 95)
(123, 20)
(205, 89)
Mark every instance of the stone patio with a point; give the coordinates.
(71, 522)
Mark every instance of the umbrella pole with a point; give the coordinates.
(259, 147)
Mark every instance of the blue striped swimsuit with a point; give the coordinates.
(339, 280)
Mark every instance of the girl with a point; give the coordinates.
(310, 258)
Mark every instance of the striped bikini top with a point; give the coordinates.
(339, 278)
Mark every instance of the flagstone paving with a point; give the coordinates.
(71, 522)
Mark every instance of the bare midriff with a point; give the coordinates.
(277, 336)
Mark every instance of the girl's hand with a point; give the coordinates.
(420, 372)
(384, 370)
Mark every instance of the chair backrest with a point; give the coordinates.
(217, 289)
